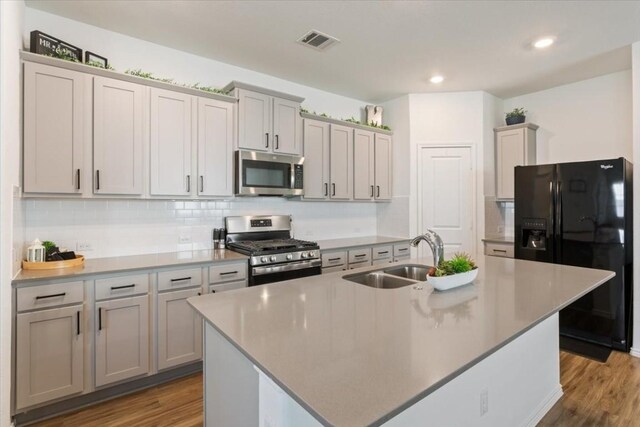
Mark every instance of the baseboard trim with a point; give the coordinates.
(544, 407)
(635, 352)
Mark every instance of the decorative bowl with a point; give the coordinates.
(444, 283)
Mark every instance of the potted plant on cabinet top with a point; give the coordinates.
(516, 116)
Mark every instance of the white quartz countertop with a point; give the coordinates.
(129, 263)
(353, 355)
(351, 242)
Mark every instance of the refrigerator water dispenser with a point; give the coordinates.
(534, 233)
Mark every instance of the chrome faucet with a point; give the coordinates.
(435, 243)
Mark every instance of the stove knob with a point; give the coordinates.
(289, 257)
(303, 255)
(311, 254)
(263, 259)
(273, 258)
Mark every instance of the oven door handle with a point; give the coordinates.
(260, 271)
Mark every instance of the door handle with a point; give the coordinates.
(372, 191)
(78, 322)
(97, 179)
(333, 189)
(267, 135)
(100, 318)
(188, 183)
(326, 189)
(378, 187)
(201, 183)
(277, 142)
(78, 179)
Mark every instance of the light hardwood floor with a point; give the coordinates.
(595, 394)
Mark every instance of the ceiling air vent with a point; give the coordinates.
(317, 40)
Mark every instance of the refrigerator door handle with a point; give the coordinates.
(558, 221)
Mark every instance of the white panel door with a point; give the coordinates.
(179, 329)
(510, 152)
(254, 121)
(53, 122)
(215, 148)
(170, 143)
(446, 197)
(341, 162)
(316, 159)
(117, 136)
(363, 165)
(122, 339)
(49, 355)
(287, 127)
(383, 167)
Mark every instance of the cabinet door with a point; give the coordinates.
(53, 124)
(341, 162)
(179, 329)
(122, 339)
(509, 154)
(117, 136)
(170, 143)
(287, 127)
(383, 167)
(316, 159)
(215, 148)
(363, 165)
(49, 355)
(254, 121)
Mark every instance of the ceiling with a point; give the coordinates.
(387, 48)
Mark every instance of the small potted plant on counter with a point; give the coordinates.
(516, 116)
(459, 270)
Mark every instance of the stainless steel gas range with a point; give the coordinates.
(274, 255)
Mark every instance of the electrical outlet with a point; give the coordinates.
(484, 402)
(184, 239)
(84, 246)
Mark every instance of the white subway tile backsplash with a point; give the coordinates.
(130, 227)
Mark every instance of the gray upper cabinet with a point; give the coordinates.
(316, 159)
(53, 128)
(515, 146)
(341, 162)
(267, 120)
(383, 167)
(215, 148)
(170, 148)
(117, 137)
(363, 164)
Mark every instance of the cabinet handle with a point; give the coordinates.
(78, 322)
(333, 189)
(403, 249)
(115, 288)
(188, 183)
(383, 252)
(51, 296)
(78, 179)
(229, 272)
(201, 183)
(199, 293)
(326, 189)
(378, 187)
(100, 318)
(372, 191)
(334, 259)
(277, 142)
(213, 291)
(181, 279)
(97, 179)
(267, 135)
(359, 256)
(500, 250)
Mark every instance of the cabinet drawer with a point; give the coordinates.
(359, 255)
(227, 272)
(383, 261)
(176, 279)
(227, 286)
(401, 258)
(401, 249)
(359, 264)
(334, 259)
(499, 249)
(35, 297)
(115, 287)
(382, 252)
(326, 270)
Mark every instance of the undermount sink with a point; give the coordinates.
(391, 278)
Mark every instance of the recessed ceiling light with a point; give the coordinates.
(543, 42)
(436, 79)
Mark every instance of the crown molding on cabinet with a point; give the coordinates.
(240, 85)
(345, 123)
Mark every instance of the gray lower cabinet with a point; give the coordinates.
(179, 329)
(50, 349)
(121, 339)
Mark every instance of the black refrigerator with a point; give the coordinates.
(581, 214)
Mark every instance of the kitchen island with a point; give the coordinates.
(326, 351)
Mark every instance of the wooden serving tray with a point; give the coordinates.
(50, 265)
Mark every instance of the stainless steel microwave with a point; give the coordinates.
(268, 174)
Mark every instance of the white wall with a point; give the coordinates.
(11, 18)
(134, 227)
(636, 198)
(587, 120)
